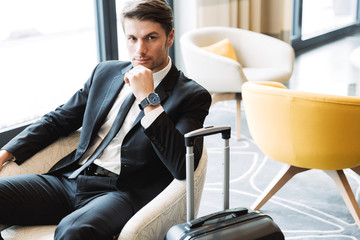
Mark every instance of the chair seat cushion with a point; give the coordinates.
(264, 74)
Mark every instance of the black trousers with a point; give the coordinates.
(89, 207)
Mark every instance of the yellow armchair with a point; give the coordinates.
(305, 131)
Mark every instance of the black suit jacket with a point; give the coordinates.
(150, 158)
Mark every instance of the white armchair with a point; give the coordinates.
(150, 222)
(260, 58)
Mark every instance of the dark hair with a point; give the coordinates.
(154, 10)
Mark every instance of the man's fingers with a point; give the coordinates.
(137, 72)
(126, 79)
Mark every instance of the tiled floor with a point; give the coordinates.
(327, 68)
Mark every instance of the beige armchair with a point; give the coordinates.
(150, 222)
(260, 58)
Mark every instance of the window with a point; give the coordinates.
(47, 51)
(123, 53)
(323, 16)
(317, 21)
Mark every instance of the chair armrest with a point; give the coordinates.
(155, 217)
(45, 159)
(166, 209)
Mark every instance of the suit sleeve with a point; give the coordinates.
(60, 122)
(167, 132)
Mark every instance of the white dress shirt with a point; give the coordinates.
(110, 159)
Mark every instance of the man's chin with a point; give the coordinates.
(146, 64)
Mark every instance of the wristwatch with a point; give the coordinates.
(152, 99)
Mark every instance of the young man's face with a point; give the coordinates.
(147, 43)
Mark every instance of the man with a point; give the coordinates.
(138, 163)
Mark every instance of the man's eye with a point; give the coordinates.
(152, 37)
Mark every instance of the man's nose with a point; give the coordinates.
(141, 48)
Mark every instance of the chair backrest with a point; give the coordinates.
(303, 129)
(248, 45)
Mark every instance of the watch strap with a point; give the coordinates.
(144, 103)
(152, 99)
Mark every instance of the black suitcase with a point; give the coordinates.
(237, 223)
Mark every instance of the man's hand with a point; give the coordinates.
(141, 81)
(4, 157)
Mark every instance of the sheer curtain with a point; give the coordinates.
(271, 17)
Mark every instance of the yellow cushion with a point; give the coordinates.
(223, 48)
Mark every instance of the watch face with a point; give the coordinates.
(154, 99)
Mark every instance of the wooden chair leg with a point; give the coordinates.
(238, 116)
(356, 169)
(346, 193)
(278, 182)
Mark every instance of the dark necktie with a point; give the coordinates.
(124, 109)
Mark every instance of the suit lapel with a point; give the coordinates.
(113, 91)
(111, 95)
(107, 102)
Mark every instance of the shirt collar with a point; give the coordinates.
(159, 76)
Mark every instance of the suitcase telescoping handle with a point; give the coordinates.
(189, 143)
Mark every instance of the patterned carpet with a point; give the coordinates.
(308, 207)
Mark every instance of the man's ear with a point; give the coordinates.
(171, 37)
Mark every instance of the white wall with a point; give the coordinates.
(185, 20)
